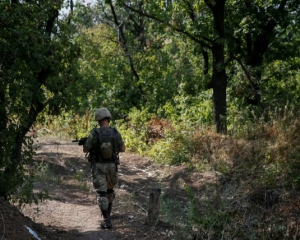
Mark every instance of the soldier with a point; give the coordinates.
(103, 145)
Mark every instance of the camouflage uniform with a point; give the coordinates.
(104, 174)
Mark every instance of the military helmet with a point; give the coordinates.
(102, 113)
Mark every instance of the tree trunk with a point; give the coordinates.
(153, 210)
(219, 77)
(219, 85)
(219, 103)
(16, 150)
(257, 46)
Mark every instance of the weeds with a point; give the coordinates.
(44, 174)
(126, 201)
(229, 215)
(82, 181)
(172, 210)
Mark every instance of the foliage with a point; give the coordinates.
(268, 151)
(38, 62)
(282, 84)
(82, 181)
(134, 130)
(167, 54)
(67, 125)
(173, 149)
(106, 73)
(274, 154)
(188, 109)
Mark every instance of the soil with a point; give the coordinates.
(71, 211)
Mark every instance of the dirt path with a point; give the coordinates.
(72, 212)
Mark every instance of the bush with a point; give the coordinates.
(174, 149)
(134, 130)
(16, 180)
(189, 110)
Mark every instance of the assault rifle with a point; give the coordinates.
(81, 141)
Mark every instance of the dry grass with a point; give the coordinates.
(257, 196)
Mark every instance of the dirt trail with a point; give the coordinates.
(72, 212)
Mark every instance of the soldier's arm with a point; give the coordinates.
(121, 144)
(85, 150)
(122, 149)
(88, 143)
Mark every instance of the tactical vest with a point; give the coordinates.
(106, 144)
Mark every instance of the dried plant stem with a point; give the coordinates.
(139, 189)
(296, 232)
(135, 203)
(210, 229)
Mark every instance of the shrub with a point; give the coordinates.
(175, 148)
(134, 130)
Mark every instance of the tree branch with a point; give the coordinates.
(190, 10)
(103, 10)
(205, 57)
(123, 42)
(180, 30)
(282, 5)
(252, 84)
(50, 22)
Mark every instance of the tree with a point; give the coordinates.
(133, 65)
(226, 31)
(37, 62)
(258, 26)
(204, 23)
(135, 29)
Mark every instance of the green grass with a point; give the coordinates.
(44, 174)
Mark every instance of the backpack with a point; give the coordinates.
(107, 138)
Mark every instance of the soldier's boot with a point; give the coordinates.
(107, 222)
(109, 209)
(103, 204)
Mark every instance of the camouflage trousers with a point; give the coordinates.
(104, 180)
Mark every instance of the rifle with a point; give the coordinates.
(81, 141)
(116, 154)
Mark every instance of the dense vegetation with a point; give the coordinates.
(213, 84)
